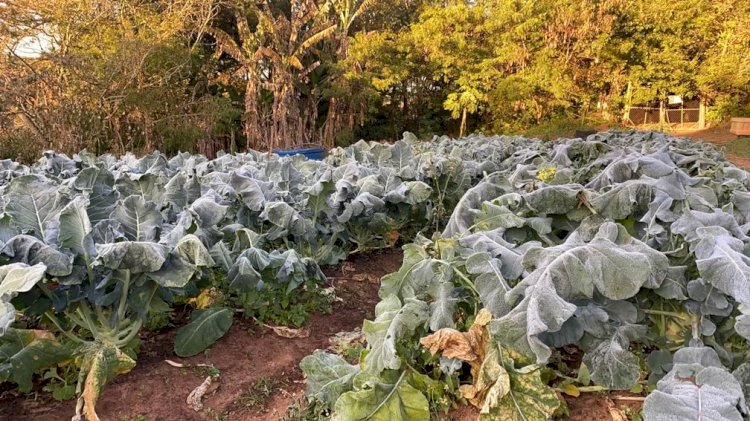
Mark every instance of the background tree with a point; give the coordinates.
(290, 53)
(244, 50)
(138, 75)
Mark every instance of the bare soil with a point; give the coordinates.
(259, 371)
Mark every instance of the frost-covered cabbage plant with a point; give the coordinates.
(94, 248)
(627, 252)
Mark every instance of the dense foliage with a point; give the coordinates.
(203, 76)
(534, 268)
(95, 248)
(619, 261)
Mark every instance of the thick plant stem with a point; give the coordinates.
(57, 324)
(124, 297)
(666, 313)
(132, 331)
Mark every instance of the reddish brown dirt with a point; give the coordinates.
(260, 375)
(247, 356)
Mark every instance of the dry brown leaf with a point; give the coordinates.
(181, 365)
(194, 399)
(391, 237)
(470, 346)
(365, 277)
(452, 343)
(615, 412)
(469, 392)
(288, 332)
(42, 334)
(347, 268)
(174, 364)
(344, 340)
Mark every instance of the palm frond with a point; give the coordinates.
(314, 39)
(243, 29)
(362, 7)
(294, 62)
(227, 44)
(269, 53)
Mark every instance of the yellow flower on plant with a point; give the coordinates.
(207, 298)
(546, 174)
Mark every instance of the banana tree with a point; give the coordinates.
(244, 50)
(290, 45)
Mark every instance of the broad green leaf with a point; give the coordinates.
(14, 279)
(492, 242)
(577, 268)
(24, 353)
(697, 388)
(30, 250)
(243, 277)
(612, 365)
(75, 227)
(180, 191)
(541, 310)
(140, 218)
(98, 186)
(393, 322)
(493, 216)
(34, 203)
(722, 262)
(207, 212)
(282, 215)
(221, 254)
(191, 249)
(550, 200)
(466, 209)
(417, 192)
(490, 283)
(392, 284)
(443, 306)
(328, 376)
(206, 328)
(135, 256)
(629, 198)
(253, 193)
(520, 396)
(150, 187)
(378, 399)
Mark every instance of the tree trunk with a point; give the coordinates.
(463, 124)
(662, 113)
(252, 113)
(702, 113)
(628, 103)
(283, 112)
(340, 114)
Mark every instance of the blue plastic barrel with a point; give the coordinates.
(317, 153)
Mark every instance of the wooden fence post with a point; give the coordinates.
(662, 113)
(702, 114)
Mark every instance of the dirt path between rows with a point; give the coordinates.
(259, 371)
